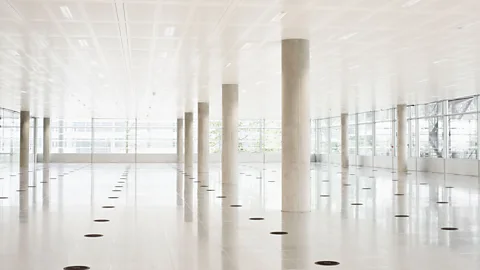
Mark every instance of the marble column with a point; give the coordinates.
(296, 184)
(46, 141)
(402, 138)
(180, 154)
(24, 149)
(344, 147)
(229, 133)
(203, 142)
(189, 144)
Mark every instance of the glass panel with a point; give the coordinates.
(352, 140)
(365, 140)
(463, 135)
(335, 140)
(366, 117)
(384, 115)
(71, 136)
(215, 136)
(461, 106)
(335, 122)
(249, 136)
(430, 109)
(323, 140)
(413, 137)
(156, 137)
(431, 140)
(383, 139)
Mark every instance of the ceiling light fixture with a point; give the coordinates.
(279, 16)
(83, 42)
(246, 46)
(348, 36)
(169, 31)
(227, 65)
(66, 12)
(410, 3)
(440, 61)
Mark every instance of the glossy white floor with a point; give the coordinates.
(153, 228)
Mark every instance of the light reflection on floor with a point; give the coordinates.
(161, 221)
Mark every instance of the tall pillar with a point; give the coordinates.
(344, 146)
(180, 131)
(229, 133)
(35, 139)
(46, 140)
(296, 186)
(189, 143)
(24, 149)
(401, 138)
(203, 141)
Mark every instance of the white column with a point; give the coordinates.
(296, 185)
(344, 131)
(46, 141)
(180, 154)
(229, 133)
(24, 149)
(189, 143)
(401, 138)
(203, 141)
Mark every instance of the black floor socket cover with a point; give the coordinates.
(448, 187)
(326, 181)
(450, 229)
(101, 220)
(324, 195)
(204, 186)
(271, 181)
(221, 197)
(236, 205)
(3, 198)
(257, 218)
(76, 267)
(442, 202)
(347, 185)
(93, 235)
(366, 188)
(402, 216)
(398, 194)
(210, 189)
(423, 184)
(279, 233)
(108, 207)
(357, 203)
(113, 197)
(327, 263)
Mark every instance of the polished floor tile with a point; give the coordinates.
(150, 216)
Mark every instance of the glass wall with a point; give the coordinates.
(438, 129)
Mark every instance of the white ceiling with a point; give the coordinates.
(156, 58)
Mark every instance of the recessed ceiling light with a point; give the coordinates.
(410, 3)
(440, 61)
(279, 16)
(348, 36)
(246, 46)
(169, 31)
(83, 42)
(66, 12)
